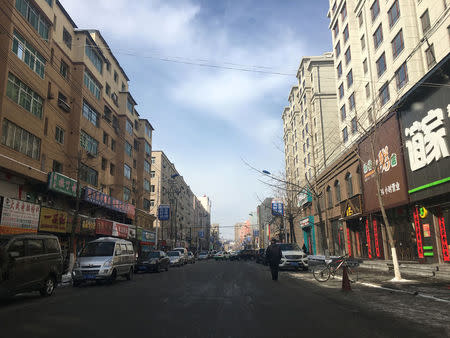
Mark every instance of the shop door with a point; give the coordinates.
(358, 235)
(338, 237)
(425, 235)
(404, 234)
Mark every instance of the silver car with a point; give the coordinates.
(105, 258)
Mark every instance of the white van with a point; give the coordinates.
(105, 258)
(184, 253)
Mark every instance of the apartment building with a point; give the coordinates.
(67, 115)
(381, 49)
(186, 210)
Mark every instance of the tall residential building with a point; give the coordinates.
(381, 49)
(310, 144)
(264, 212)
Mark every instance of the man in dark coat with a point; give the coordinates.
(273, 256)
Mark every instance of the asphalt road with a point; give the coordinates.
(207, 299)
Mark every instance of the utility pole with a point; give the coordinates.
(75, 216)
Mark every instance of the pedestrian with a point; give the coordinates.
(305, 249)
(273, 256)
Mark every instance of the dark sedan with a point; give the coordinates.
(152, 261)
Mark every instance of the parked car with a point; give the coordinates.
(176, 258)
(191, 258)
(234, 256)
(152, 261)
(105, 258)
(261, 256)
(29, 262)
(247, 254)
(203, 255)
(184, 253)
(219, 256)
(226, 255)
(293, 257)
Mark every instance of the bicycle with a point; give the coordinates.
(322, 273)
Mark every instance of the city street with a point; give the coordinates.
(209, 299)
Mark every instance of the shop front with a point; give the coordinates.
(309, 235)
(425, 127)
(348, 230)
(18, 216)
(55, 221)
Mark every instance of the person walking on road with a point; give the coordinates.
(273, 255)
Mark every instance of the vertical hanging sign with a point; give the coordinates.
(444, 240)
(349, 243)
(418, 233)
(369, 244)
(375, 236)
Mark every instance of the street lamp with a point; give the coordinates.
(266, 172)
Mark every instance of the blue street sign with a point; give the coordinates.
(201, 234)
(255, 233)
(277, 208)
(164, 212)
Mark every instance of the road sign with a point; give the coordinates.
(201, 234)
(277, 208)
(164, 212)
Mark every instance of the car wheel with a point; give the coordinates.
(129, 275)
(167, 267)
(49, 287)
(158, 268)
(113, 277)
(76, 284)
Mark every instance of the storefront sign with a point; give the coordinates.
(53, 220)
(389, 163)
(444, 242)
(418, 233)
(120, 230)
(351, 207)
(62, 184)
(131, 232)
(304, 197)
(103, 227)
(18, 216)
(163, 212)
(148, 236)
(98, 198)
(426, 230)
(307, 221)
(88, 225)
(425, 129)
(423, 213)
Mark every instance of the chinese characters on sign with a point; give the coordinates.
(98, 198)
(103, 227)
(426, 139)
(63, 184)
(19, 216)
(277, 208)
(163, 212)
(53, 220)
(120, 230)
(390, 189)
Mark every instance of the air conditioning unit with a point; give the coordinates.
(63, 105)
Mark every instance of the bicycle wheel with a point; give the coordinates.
(352, 274)
(321, 273)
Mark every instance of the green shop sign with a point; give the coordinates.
(62, 184)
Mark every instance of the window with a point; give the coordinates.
(337, 191)
(59, 135)
(345, 33)
(152, 203)
(345, 134)
(349, 183)
(339, 69)
(88, 175)
(351, 102)
(129, 103)
(57, 167)
(304, 162)
(28, 54)
(384, 94)
(343, 113)
(107, 114)
(348, 56)
(425, 19)
(341, 91)
(108, 66)
(344, 12)
(32, 15)
(304, 147)
(315, 137)
(147, 167)
(148, 131)
(367, 90)
(112, 169)
(18, 246)
(394, 13)
(365, 66)
(431, 59)
(147, 185)
(370, 115)
(146, 204)
(90, 114)
(67, 38)
(20, 140)
(152, 174)
(381, 65)
(309, 158)
(360, 19)
(153, 160)
(338, 49)
(124, 89)
(116, 77)
(354, 125)
(128, 149)
(127, 171)
(50, 2)
(350, 79)
(397, 44)
(336, 29)
(35, 247)
(148, 149)
(94, 57)
(105, 138)
(307, 142)
(24, 96)
(104, 163)
(108, 90)
(401, 76)
(329, 197)
(378, 36)
(92, 85)
(375, 10)
(129, 127)
(64, 69)
(89, 143)
(363, 42)
(126, 194)
(113, 145)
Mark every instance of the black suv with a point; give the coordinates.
(29, 262)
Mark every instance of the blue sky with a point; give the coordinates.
(208, 119)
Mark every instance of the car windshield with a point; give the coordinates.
(93, 249)
(173, 253)
(289, 247)
(151, 254)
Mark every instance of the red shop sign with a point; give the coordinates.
(103, 227)
(120, 230)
